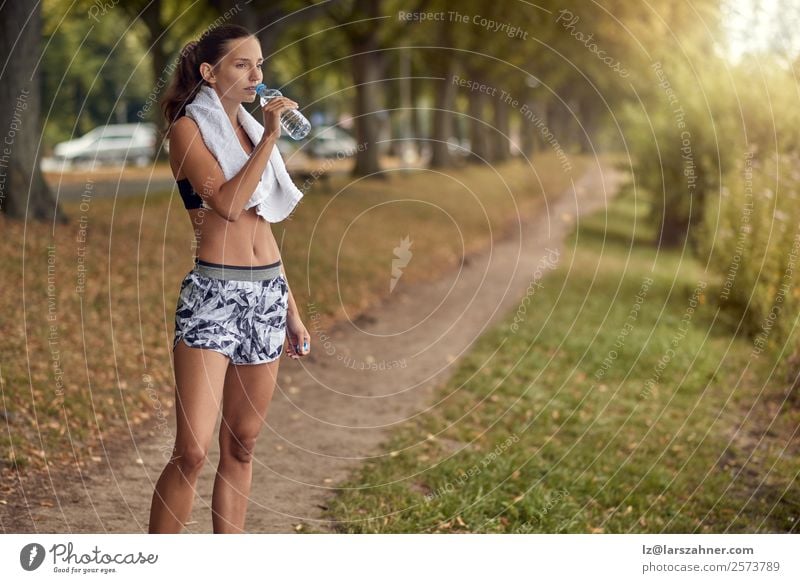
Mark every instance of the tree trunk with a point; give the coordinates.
(479, 134)
(366, 73)
(674, 229)
(527, 136)
(268, 37)
(151, 17)
(416, 126)
(23, 191)
(501, 130)
(558, 122)
(443, 114)
(305, 85)
(268, 21)
(587, 129)
(406, 151)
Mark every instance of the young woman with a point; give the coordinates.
(235, 308)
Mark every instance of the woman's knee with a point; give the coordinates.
(189, 458)
(238, 446)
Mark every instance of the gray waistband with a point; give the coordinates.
(241, 274)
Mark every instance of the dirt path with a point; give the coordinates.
(328, 413)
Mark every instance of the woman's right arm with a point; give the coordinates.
(226, 198)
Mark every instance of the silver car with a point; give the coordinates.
(331, 142)
(111, 144)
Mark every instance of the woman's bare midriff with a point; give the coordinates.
(247, 241)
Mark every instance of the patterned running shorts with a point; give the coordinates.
(238, 311)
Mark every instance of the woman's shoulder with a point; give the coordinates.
(183, 125)
(183, 134)
(188, 150)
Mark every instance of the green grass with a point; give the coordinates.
(553, 428)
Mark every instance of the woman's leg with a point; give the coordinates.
(247, 395)
(199, 378)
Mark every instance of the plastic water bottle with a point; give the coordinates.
(295, 124)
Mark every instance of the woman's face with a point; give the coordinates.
(239, 70)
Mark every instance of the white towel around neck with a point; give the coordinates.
(276, 194)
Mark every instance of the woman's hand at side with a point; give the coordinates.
(297, 338)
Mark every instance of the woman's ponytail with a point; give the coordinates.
(185, 84)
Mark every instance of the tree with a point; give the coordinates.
(23, 190)
(366, 33)
(442, 64)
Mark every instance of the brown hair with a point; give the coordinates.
(186, 82)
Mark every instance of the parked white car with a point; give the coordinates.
(119, 144)
(330, 142)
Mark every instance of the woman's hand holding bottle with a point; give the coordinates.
(272, 114)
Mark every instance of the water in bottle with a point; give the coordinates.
(292, 121)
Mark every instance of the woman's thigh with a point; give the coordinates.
(199, 382)
(246, 398)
